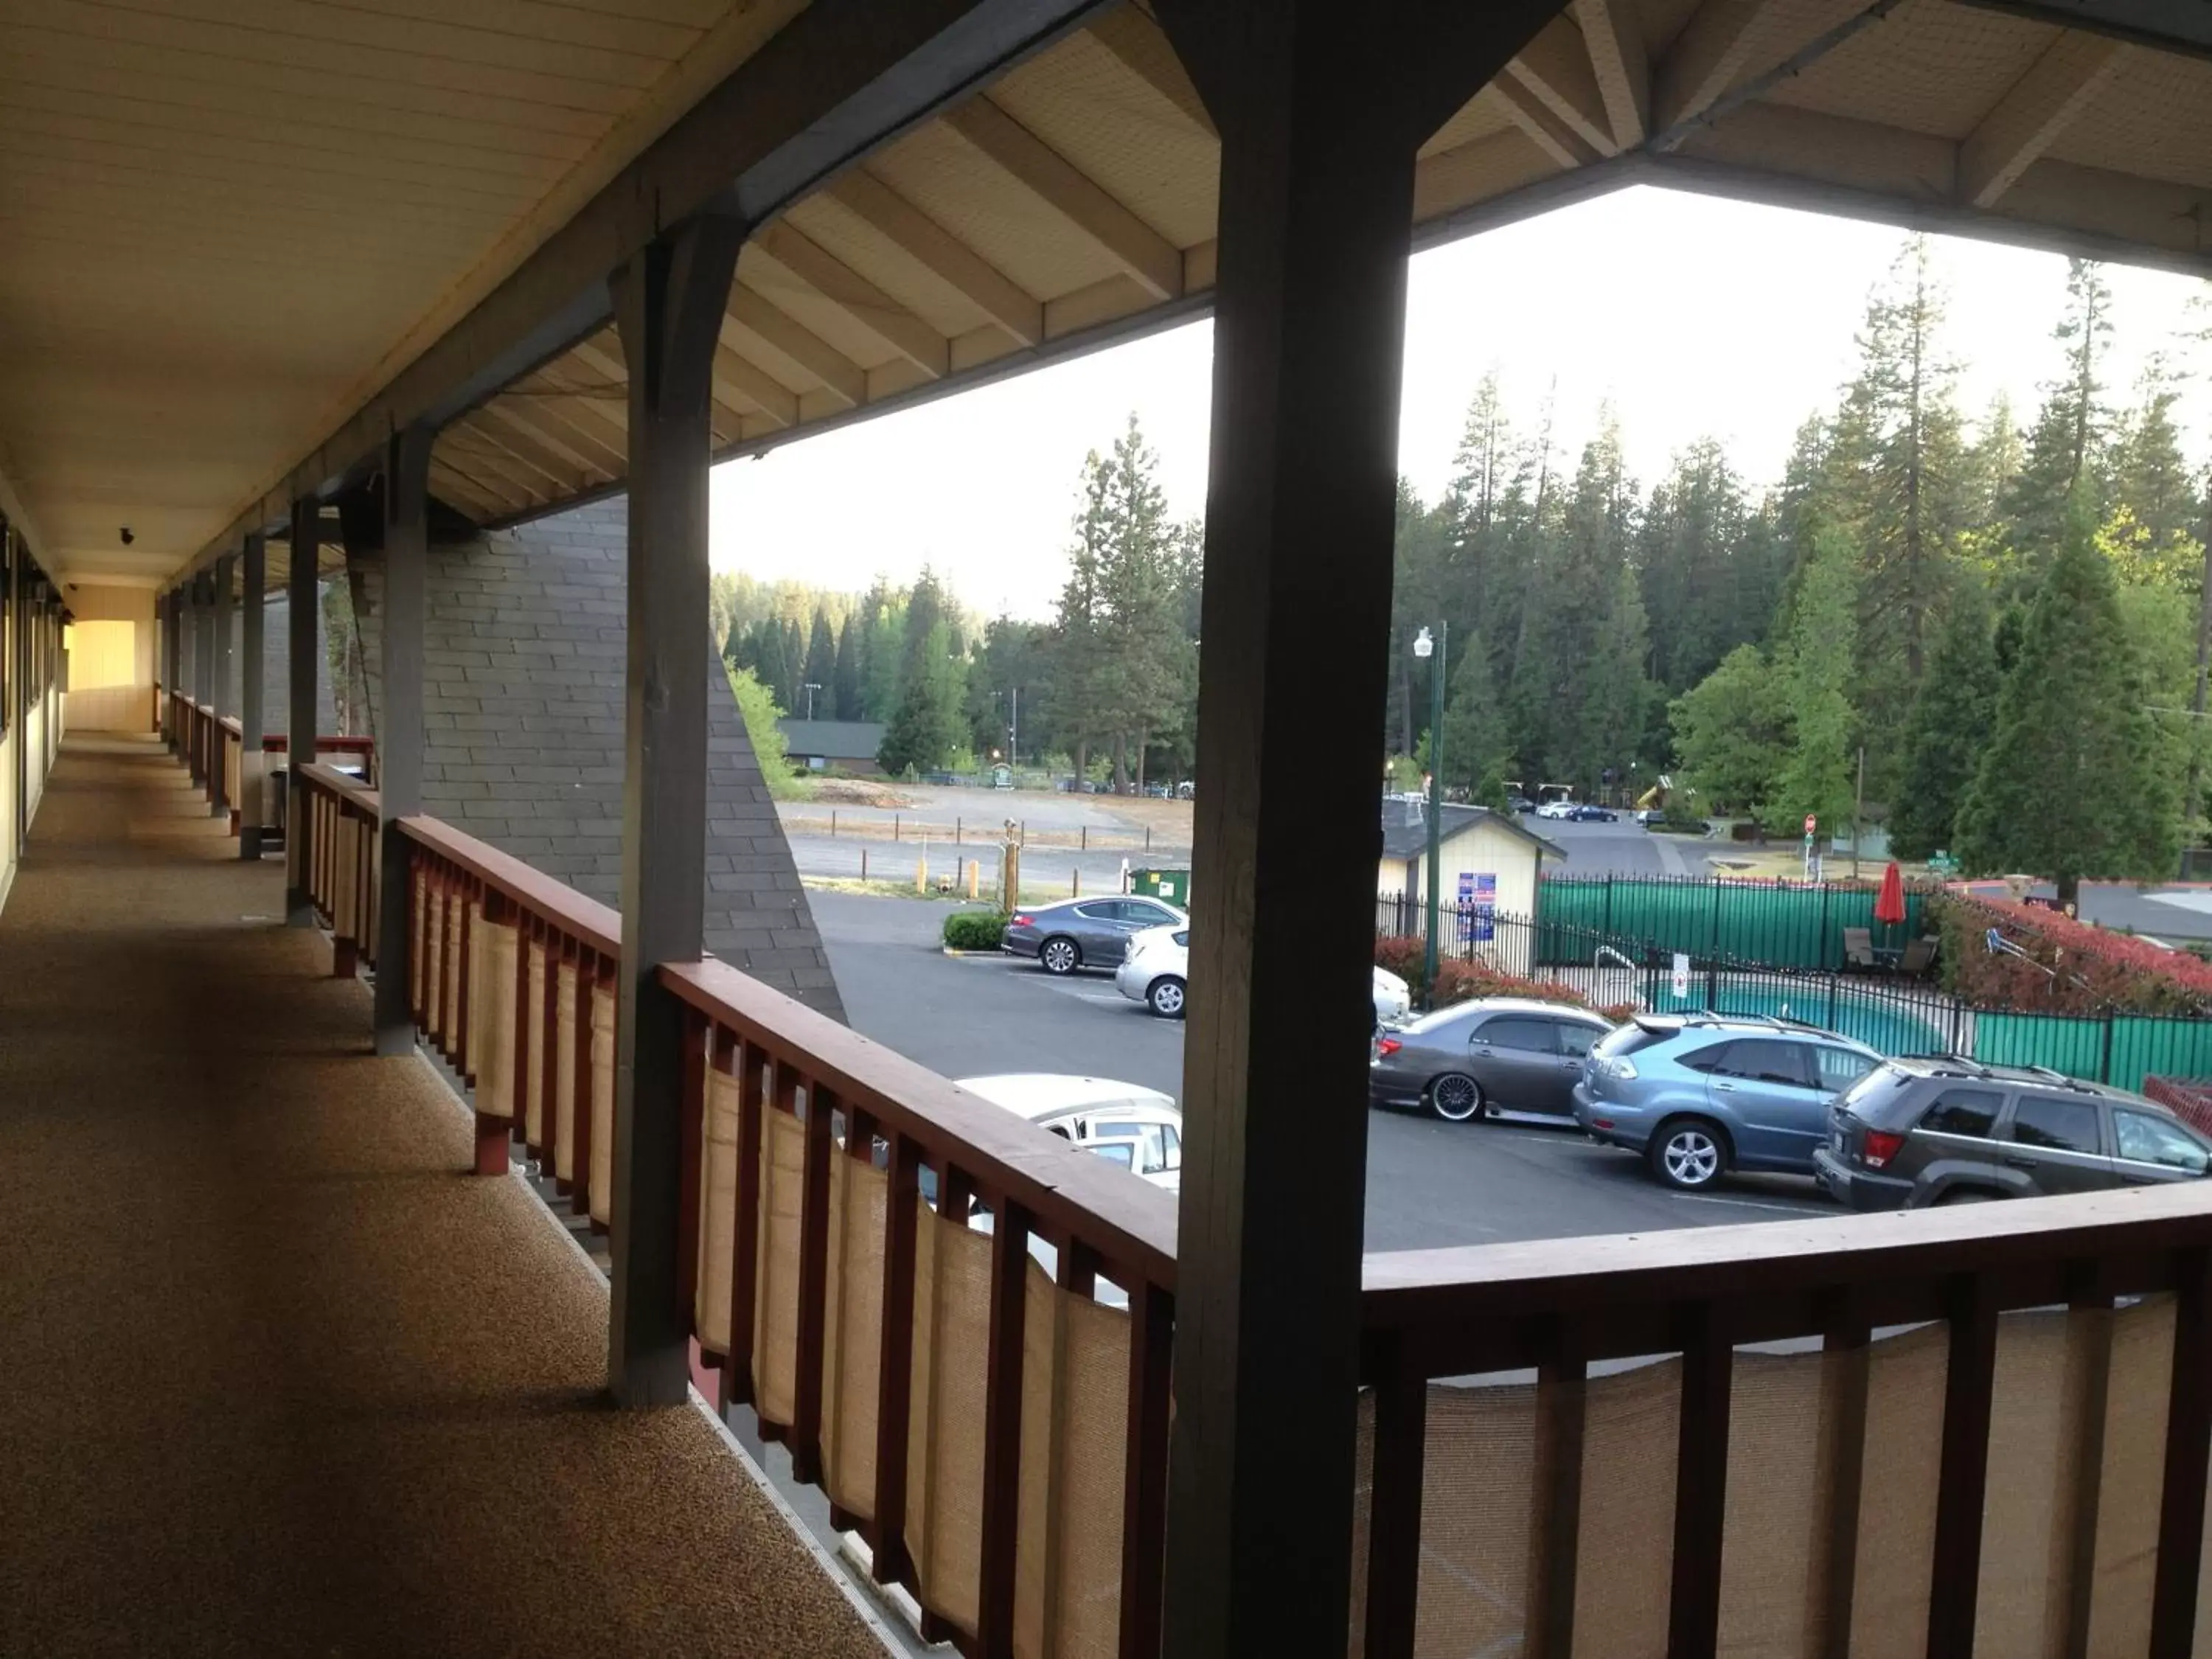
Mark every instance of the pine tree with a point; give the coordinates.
(2072, 785)
(1704, 586)
(794, 665)
(1618, 693)
(1732, 733)
(1950, 726)
(2151, 482)
(821, 669)
(2065, 448)
(1818, 777)
(845, 675)
(768, 662)
(1476, 753)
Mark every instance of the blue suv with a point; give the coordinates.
(1699, 1095)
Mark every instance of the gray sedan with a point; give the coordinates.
(1085, 932)
(1476, 1058)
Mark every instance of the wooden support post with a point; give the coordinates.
(172, 658)
(253, 719)
(669, 302)
(1321, 105)
(399, 725)
(219, 802)
(203, 672)
(303, 602)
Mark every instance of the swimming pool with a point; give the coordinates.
(1877, 1022)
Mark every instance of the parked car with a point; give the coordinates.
(1520, 803)
(1559, 809)
(1085, 932)
(1951, 1131)
(1140, 1128)
(1474, 1059)
(1651, 816)
(1157, 973)
(1587, 814)
(1698, 1095)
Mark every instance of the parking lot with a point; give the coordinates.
(1430, 1183)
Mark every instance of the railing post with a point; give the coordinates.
(253, 719)
(399, 735)
(219, 802)
(669, 303)
(302, 604)
(203, 674)
(1316, 207)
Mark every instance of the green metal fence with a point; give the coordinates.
(1762, 921)
(2116, 1048)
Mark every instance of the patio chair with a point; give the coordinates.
(1858, 947)
(1920, 956)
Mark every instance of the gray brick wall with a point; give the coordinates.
(276, 669)
(523, 664)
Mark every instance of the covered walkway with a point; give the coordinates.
(275, 1377)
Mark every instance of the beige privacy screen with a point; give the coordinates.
(1074, 1405)
(2069, 1430)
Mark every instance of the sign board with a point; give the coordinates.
(1681, 986)
(1812, 823)
(1478, 905)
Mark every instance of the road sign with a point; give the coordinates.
(1681, 987)
(1812, 823)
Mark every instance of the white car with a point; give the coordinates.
(1139, 1128)
(1558, 809)
(1155, 971)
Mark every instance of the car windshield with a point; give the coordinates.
(1626, 1040)
(1879, 1095)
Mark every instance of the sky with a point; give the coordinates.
(1690, 315)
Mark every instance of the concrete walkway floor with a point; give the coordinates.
(275, 1377)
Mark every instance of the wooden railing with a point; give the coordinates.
(1826, 1436)
(213, 748)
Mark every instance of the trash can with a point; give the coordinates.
(1170, 886)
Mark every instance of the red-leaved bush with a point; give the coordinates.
(2189, 1100)
(1463, 982)
(2072, 967)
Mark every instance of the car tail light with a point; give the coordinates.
(1020, 921)
(1881, 1146)
(1385, 1047)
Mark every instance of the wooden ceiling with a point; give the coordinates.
(1075, 197)
(208, 259)
(223, 222)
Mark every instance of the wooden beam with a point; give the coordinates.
(526, 446)
(1613, 35)
(1556, 70)
(840, 375)
(860, 299)
(1143, 49)
(1073, 194)
(1537, 122)
(469, 442)
(1727, 42)
(544, 415)
(889, 215)
(738, 379)
(601, 356)
(2039, 106)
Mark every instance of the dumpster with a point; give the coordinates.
(1169, 886)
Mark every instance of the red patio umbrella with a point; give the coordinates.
(1889, 902)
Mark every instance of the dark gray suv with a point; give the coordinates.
(1952, 1131)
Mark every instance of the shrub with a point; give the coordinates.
(2072, 967)
(974, 929)
(1462, 981)
(1403, 955)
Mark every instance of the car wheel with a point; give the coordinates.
(1166, 997)
(1967, 1195)
(1455, 1097)
(1689, 1154)
(1059, 955)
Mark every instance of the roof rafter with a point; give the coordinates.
(757, 315)
(1537, 122)
(2039, 106)
(492, 427)
(889, 215)
(1726, 42)
(1613, 36)
(536, 415)
(859, 298)
(1555, 69)
(1142, 252)
(1143, 48)
(537, 482)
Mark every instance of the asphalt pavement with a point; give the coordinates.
(1430, 1183)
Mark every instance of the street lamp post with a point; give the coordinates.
(1422, 649)
(811, 688)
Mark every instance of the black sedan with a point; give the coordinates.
(1085, 932)
(1589, 814)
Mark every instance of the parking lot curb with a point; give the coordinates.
(949, 951)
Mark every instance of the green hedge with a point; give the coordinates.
(974, 929)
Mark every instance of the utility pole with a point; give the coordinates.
(2193, 799)
(1014, 732)
(811, 688)
(1423, 647)
(1858, 814)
